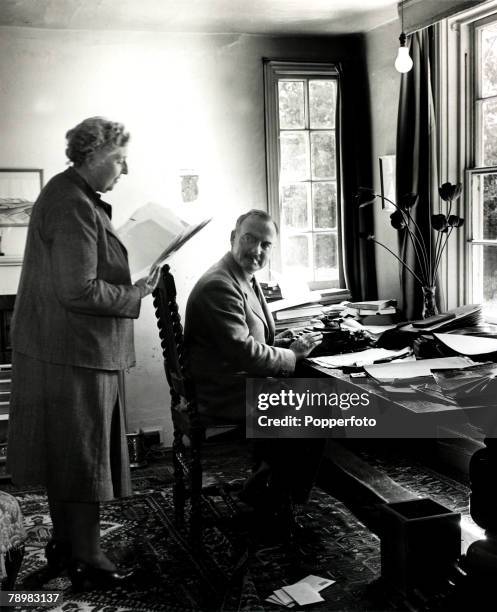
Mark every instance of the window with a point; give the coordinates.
(482, 178)
(303, 169)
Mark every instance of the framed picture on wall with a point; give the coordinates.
(387, 181)
(19, 188)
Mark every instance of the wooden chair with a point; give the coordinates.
(184, 409)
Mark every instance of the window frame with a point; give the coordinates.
(274, 70)
(474, 157)
(456, 91)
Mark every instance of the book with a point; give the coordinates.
(152, 234)
(298, 313)
(381, 319)
(390, 310)
(374, 305)
(304, 299)
(334, 295)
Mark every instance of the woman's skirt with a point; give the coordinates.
(67, 431)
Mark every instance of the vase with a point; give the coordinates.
(429, 301)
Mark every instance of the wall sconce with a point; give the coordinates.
(403, 61)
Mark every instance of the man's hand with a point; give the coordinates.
(284, 339)
(305, 344)
(148, 283)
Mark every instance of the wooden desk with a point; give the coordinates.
(442, 420)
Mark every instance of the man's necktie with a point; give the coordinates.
(257, 292)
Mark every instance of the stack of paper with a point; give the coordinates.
(304, 592)
(464, 316)
(373, 307)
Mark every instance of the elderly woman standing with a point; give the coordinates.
(72, 334)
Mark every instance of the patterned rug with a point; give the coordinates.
(235, 571)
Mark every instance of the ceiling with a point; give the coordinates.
(220, 16)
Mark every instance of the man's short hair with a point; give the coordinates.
(255, 212)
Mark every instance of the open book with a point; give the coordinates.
(153, 233)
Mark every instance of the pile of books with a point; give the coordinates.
(296, 312)
(333, 296)
(271, 291)
(304, 310)
(373, 312)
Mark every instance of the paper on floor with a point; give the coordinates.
(303, 593)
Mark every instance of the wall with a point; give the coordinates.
(190, 102)
(381, 50)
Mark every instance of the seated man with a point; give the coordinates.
(229, 334)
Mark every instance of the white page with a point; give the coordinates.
(413, 369)
(468, 345)
(303, 593)
(367, 356)
(283, 597)
(317, 583)
(151, 230)
(308, 298)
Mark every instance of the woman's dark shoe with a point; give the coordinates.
(57, 554)
(85, 577)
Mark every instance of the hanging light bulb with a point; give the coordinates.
(403, 61)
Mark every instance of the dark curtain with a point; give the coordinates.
(356, 171)
(417, 170)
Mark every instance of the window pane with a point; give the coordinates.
(485, 274)
(296, 253)
(294, 207)
(489, 60)
(484, 204)
(324, 205)
(489, 127)
(323, 155)
(294, 156)
(322, 103)
(291, 104)
(325, 256)
(490, 206)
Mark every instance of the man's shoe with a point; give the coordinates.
(255, 491)
(86, 577)
(58, 555)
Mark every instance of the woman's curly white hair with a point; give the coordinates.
(92, 135)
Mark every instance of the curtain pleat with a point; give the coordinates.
(356, 171)
(417, 158)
